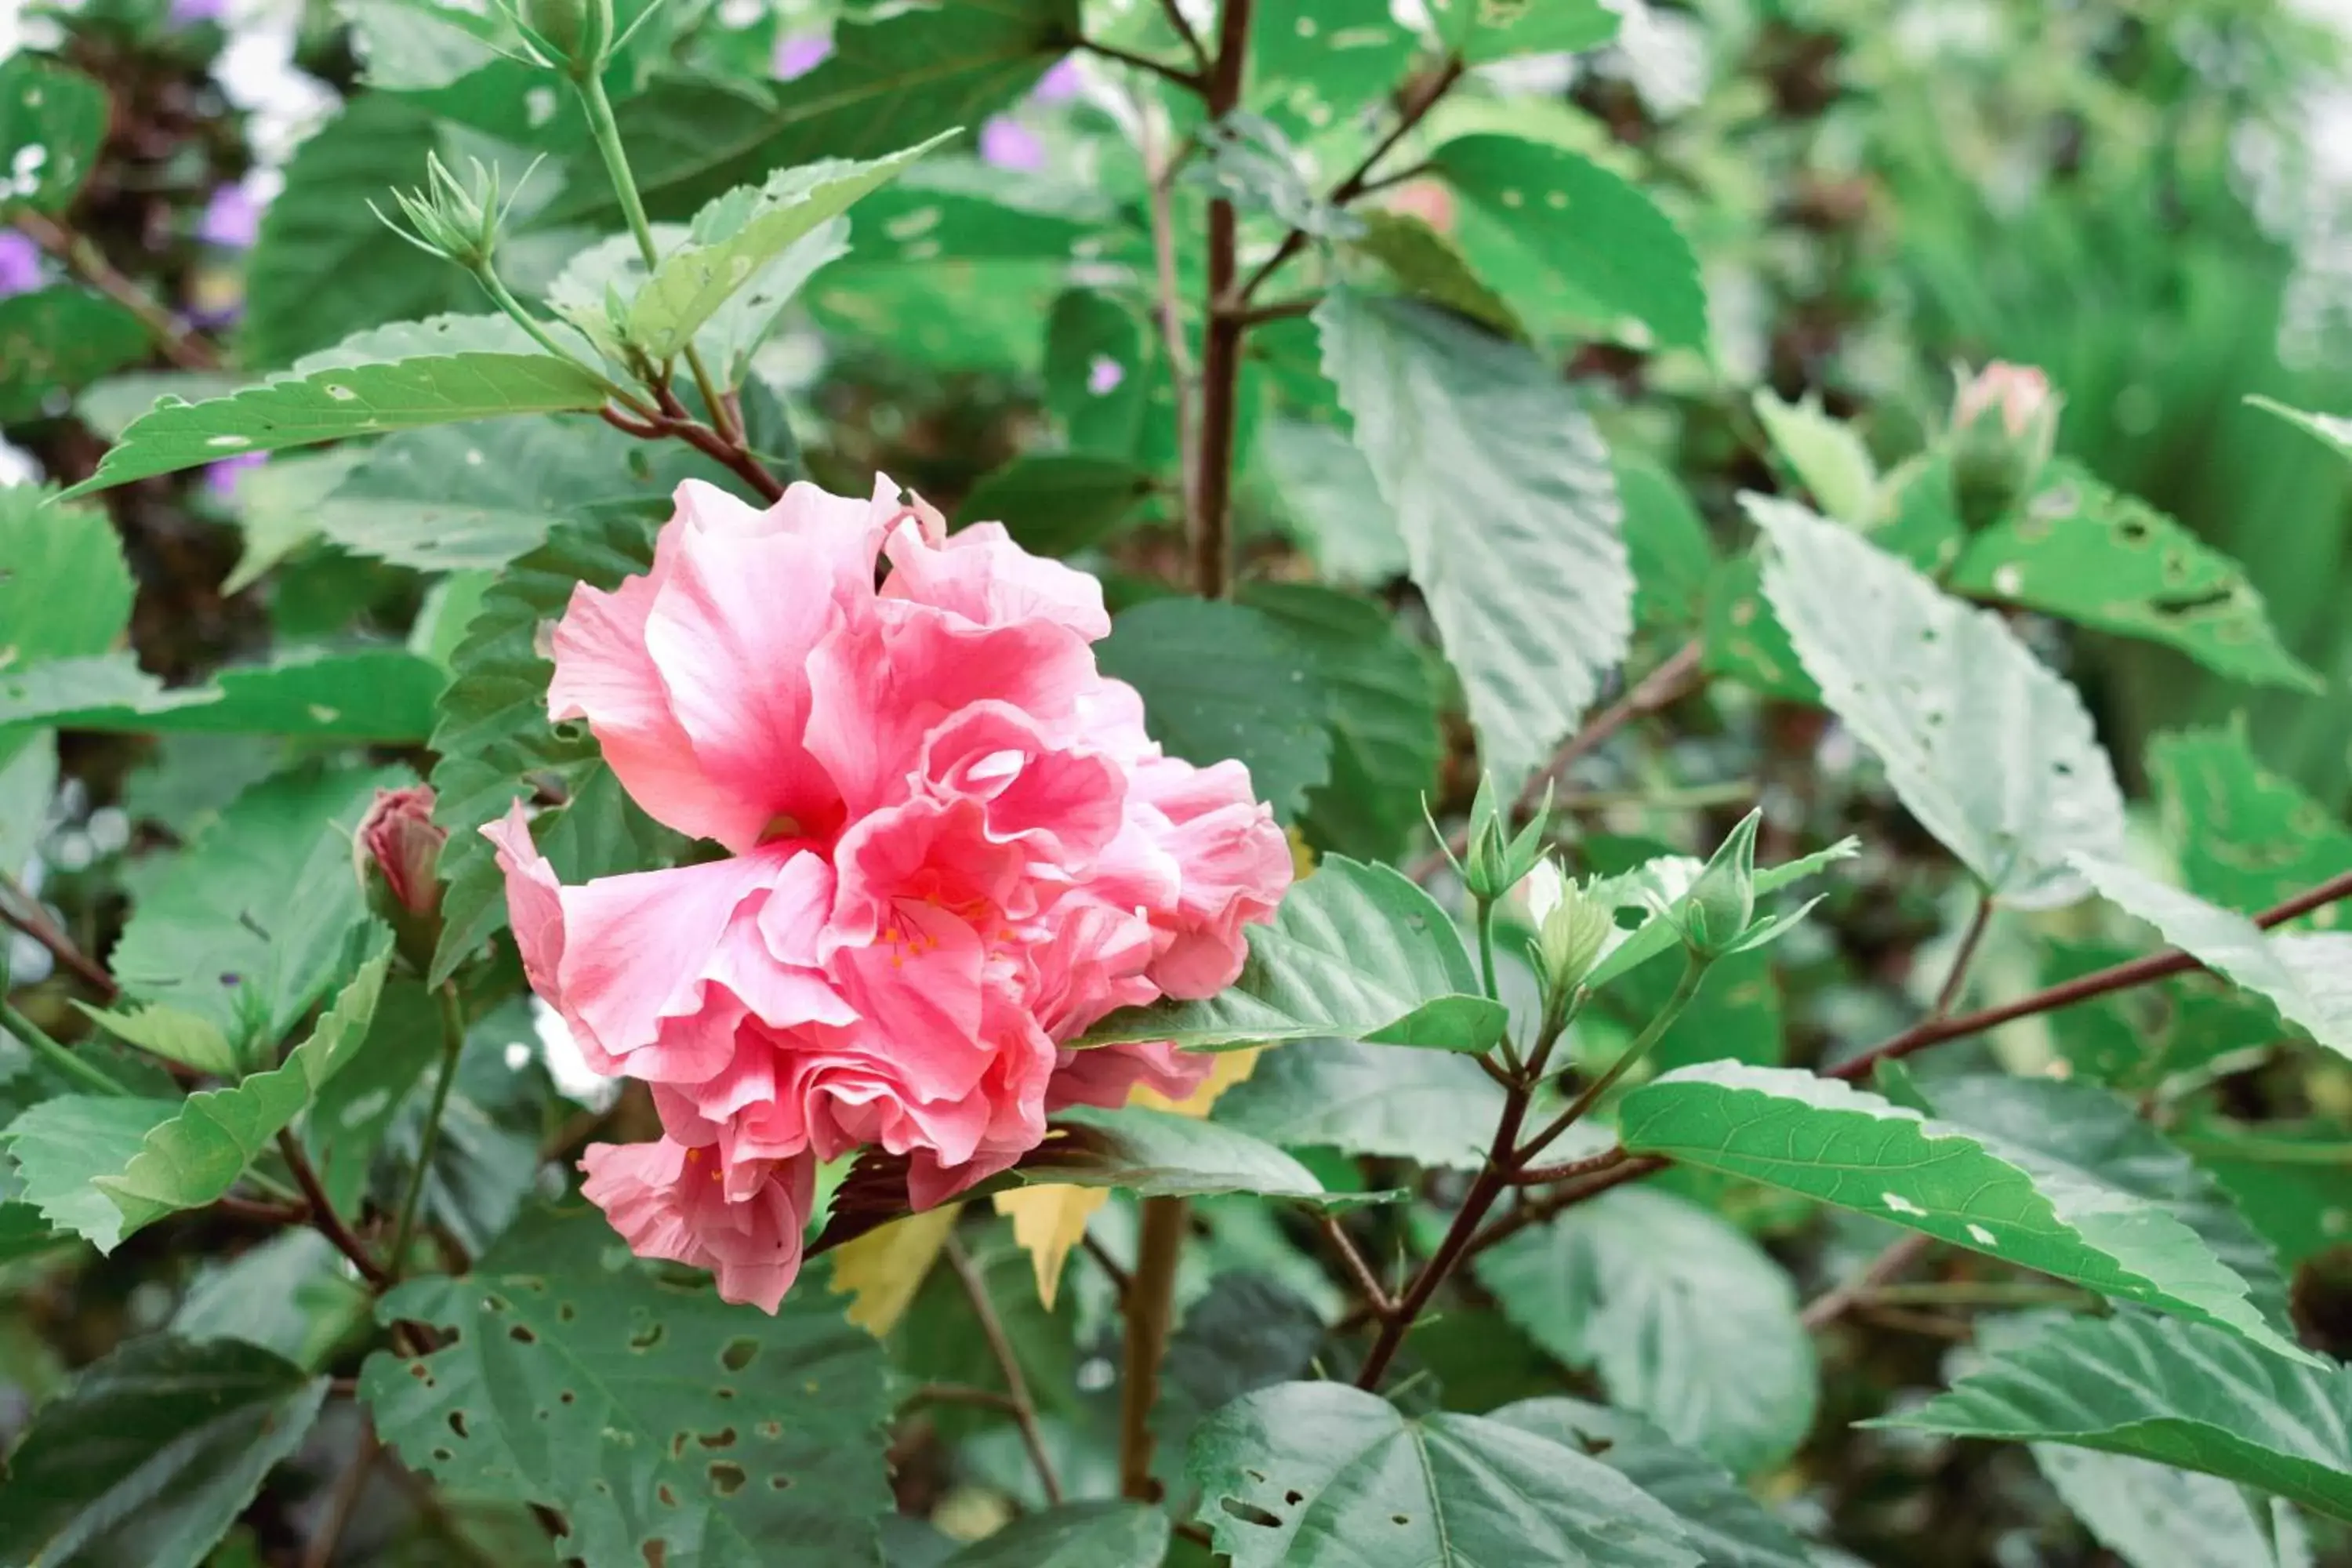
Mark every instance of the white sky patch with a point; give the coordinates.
(561, 1053)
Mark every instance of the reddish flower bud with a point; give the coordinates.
(398, 837)
(2021, 392)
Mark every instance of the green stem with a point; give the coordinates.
(1486, 949)
(1693, 974)
(271, 1186)
(502, 297)
(85, 1073)
(453, 1044)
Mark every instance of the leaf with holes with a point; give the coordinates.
(1164, 1154)
(1223, 680)
(2175, 1392)
(2089, 553)
(57, 341)
(1355, 950)
(52, 121)
(1686, 1320)
(1099, 1535)
(1729, 1528)
(651, 1418)
(1574, 238)
(1507, 507)
(357, 400)
(1312, 66)
(1320, 1475)
(1485, 30)
(1991, 751)
(151, 1454)
(1837, 1144)
(2308, 978)
(2247, 838)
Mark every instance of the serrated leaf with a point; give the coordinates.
(881, 1270)
(331, 405)
(738, 235)
(2246, 838)
(2155, 1516)
(62, 1143)
(2178, 1393)
(1507, 508)
(2088, 552)
(1669, 878)
(66, 591)
(1729, 1528)
(1427, 264)
(1991, 751)
(152, 1453)
(1161, 1153)
(430, 337)
(372, 694)
(1838, 1144)
(1328, 491)
(1433, 1107)
(1827, 458)
(174, 1036)
(1104, 1533)
(2307, 978)
(1055, 503)
(59, 340)
(672, 1420)
(1221, 681)
(1578, 237)
(1320, 1475)
(1686, 1320)
(1355, 950)
(1745, 641)
(52, 121)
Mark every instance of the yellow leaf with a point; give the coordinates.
(884, 1267)
(1048, 1223)
(1302, 854)
(1228, 1069)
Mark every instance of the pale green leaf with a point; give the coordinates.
(278, 507)
(1327, 488)
(63, 1143)
(1837, 1144)
(174, 1036)
(1507, 508)
(1320, 1475)
(2156, 1516)
(1099, 1534)
(293, 1294)
(1313, 67)
(371, 694)
(1485, 30)
(1667, 879)
(1165, 1153)
(66, 591)
(1428, 265)
(1355, 950)
(1433, 1107)
(1826, 456)
(1991, 751)
(407, 45)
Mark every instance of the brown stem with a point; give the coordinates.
(1359, 1269)
(34, 920)
(1673, 680)
(674, 421)
(179, 346)
(1899, 1255)
(345, 1499)
(1183, 25)
(262, 1210)
(1024, 1410)
(1120, 1280)
(1191, 81)
(323, 1216)
(1170, 312)
(1354, 185)
(1151, 1310)
(1567, 1169)
(1221, 340)
(1947, 995)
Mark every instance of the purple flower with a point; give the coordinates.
(220, 478)
(1009, 144)
(1104, 375)
(798, 56)
(232, 219)
(20, 263)
(186, 11)
(1061, 84)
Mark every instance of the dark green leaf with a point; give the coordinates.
(56, 340)
(374, 694)
(293, 1295)
(152, 1453)
(2247, 838)
(1098, 374)
(1668, 542)
(1428, 266)
(52, 123)
(671, 1421)
(1055, 503)
(1100, 1534)
(1433, 1107)
(1247, 1333)
(1165, 1153)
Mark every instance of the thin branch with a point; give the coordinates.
(1183, 25)
(1280, 310)
(1375, 1297)
(453, 1046)
(1191, 81)
(1151, 1310)
(1220, 339)
(676, 422)
(323, 1216)
(1947, 995)
(32, 920)
(1023, 1411)
(263, 1212)
(71, 1064)
(963, 1394)
(1897, 1257)
(179, 346)
(1171, 307)
(1120, 1280)
(1567, 1169)
(345, 1499)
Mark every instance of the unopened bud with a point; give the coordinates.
(575, 36)
(2004, 425)
(1721, 904)
(446, 218)
(398, 839)
(1496, 861)
(1571, 928)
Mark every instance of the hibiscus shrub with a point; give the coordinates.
(1008, 782)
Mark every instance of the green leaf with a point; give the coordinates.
(67, 592)
(1105, 1534)
(198, 1153)
(293, 1295)
(331, 405)
(1433, 1107)
(60, 340)
(1165, 1153)
(1355, 950)
(2307, 978)
(278, 507)
(321, 268)
(2175, 1392)
(1507, 508)
(1485, 30)
(494, 729)
(52, 123)
(1685, 1319)
(409, 45)
(1667, 542)
(2332, 428)
(2092, 555)
(174, 1036)
(1575, 230)
(1840, 1145)
(2093, 1131)
(1669, 877)
(2246, 838)
(1223, 680)
(1098, 372)
(888, 84)
(2154, 1516)
(432, 337)
(1827, 458)
(61, 1144)
(1320, 1475)
(1328, 491)
(672, 1421)
(736, 237)
(374, 694)
(1745, 640)
(1729, 1528)
(1312, 66)
(1381, 707)
(1429, 266)
(1056, 503)
(356, 1111)
(245, 928)
(152, 1453)
(1991, 751)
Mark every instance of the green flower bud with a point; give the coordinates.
(2004, 425)
(448, 219)
(1571, 928)
(1498, 862)
(1721, 905)
(575, 36)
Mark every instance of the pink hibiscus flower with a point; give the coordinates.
(953, 847)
